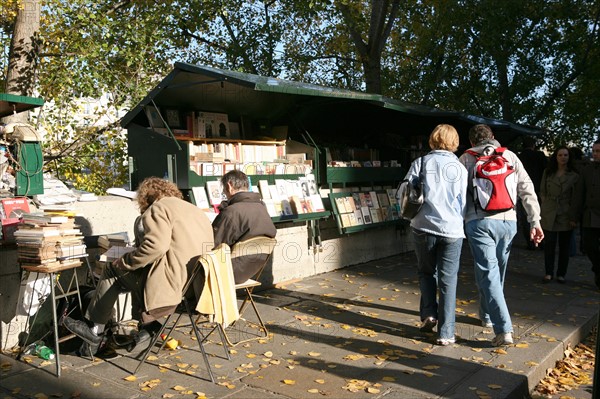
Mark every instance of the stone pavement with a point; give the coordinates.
(350, 333)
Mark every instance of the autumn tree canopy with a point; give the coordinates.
(534, 62)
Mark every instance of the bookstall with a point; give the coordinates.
(307, 149)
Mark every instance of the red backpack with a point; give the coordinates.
(494, 186)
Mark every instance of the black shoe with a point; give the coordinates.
(82, 330)
(144, 335)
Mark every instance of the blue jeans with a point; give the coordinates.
(490, 241)
(438, 262)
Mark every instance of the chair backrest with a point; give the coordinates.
(249, 257)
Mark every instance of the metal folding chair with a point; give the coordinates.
(250, 258)
(189, 310)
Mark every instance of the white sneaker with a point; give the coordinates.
(502, 339)
(446, 341)
(428, 324)
(486, 324)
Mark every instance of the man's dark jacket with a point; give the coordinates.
(242, 217)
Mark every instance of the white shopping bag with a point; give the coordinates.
(33, 293)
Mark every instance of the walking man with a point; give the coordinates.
(490, 233)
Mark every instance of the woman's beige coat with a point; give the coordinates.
(557, 194)
(176, 233)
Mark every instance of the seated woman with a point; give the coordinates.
(176, 233)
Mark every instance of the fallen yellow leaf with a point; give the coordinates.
(130, 378)
(289, 382)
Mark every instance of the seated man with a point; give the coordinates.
(241, 217)
(176, 233)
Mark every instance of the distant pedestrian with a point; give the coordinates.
(535, 162)
(557, 188)
(438, 231)
(490, 236)
(586, 207)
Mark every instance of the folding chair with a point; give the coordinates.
(249, 258)
(202, 264)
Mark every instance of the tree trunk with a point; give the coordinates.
(23, 56)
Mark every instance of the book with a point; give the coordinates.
(316, 203)
(282, 192)
(36, 233)
(350, 204)
(215, 192)
(41, 218)
(345, 218)
(358, 216)
(375, 215)
(274, 192)
(115, 253)
(200, 197)
(341, 205)
(391, 192)
(374, 200)
(109, 240)
(286, 208)
(14, 207)
(215, 124)
(71, 250)
(383, 200)
(263, 185)
(366, 215)
(363, 199)
(297, 206)
(271, 208)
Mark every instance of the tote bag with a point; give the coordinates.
(410, 196)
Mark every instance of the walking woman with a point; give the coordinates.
(558, 184)
(438, 231)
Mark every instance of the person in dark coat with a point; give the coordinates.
(585, 207)
(535, 162)
(241, 217)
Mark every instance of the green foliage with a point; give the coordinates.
(533, 62)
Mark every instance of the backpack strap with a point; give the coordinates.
(474, 153)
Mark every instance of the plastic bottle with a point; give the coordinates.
(43, 352)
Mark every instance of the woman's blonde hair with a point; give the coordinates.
(154, 188)
(444, 137)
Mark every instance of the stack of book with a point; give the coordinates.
(49, 240)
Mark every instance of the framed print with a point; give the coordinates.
(154, 118)
(173, 118)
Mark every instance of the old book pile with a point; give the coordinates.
(49, 240)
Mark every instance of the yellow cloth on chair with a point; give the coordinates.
(218, 300)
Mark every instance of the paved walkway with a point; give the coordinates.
(351, 333)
